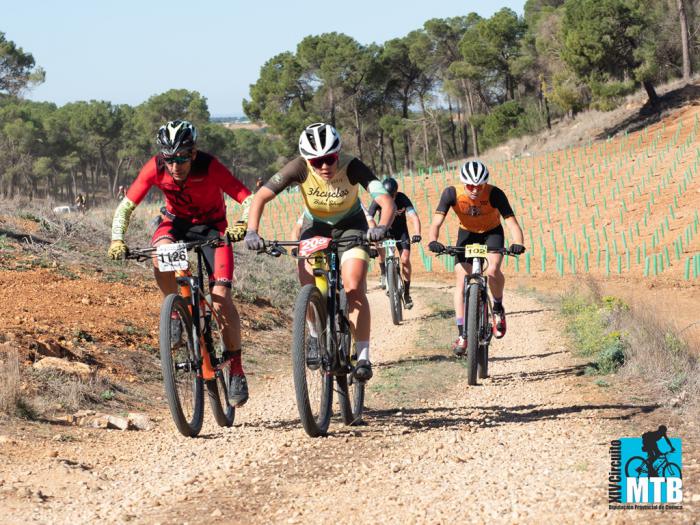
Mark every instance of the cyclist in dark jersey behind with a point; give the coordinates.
(329, 182)
(194, 184)
(479, 207)
(399, 231)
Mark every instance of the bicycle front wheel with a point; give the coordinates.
(351, 398)
(392, 285)
(313, 384)
(472, 328)
(671, 470)
(179, 360)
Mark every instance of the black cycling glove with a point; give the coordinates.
(516, 249)
(436, 247)
(416, 239)
(377, 233)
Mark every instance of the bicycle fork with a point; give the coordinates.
(205, 369)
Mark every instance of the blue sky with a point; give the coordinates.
(127, 51)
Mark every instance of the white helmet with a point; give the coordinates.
(474, 172)
(318, 140)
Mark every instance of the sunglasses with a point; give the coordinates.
(328, 160)
(473, 187)
(177, 159)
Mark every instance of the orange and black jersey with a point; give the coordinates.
(476, 215)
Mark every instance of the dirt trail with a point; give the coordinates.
(528, 445)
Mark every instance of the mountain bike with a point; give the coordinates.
(637, 467)
(321, 321)
(478, 308)
(394, 281)
(192, 353)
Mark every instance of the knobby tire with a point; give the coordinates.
(483, 357)
(217, 389)
(188, 426)
(393, 287)
(472, 328)
(351, 393)
(314, 424)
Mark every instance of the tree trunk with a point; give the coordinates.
(651, 92)
(392, 149)
(358, 128)
(426, 147)
(441, 149)
(453, 128)
(380, 145)
(332, 102)
(470, 109)
(684, 40)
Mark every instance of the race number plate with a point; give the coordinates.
(389, 244)
(313, 245)
(475, 250)
(172, 257)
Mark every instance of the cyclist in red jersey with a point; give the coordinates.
(194, 183)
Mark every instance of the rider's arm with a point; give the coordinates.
(294, 172)
(410, 212)
(499, 201)
(134, 195)
(448, 198)
(296, 231)
(371, 212)
(359, 173)
(231, 186)
(438, 219)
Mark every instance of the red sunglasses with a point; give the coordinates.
(473, 187)
(328, 160)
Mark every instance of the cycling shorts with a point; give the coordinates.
(351, 226)
(217, 261)
(493, 239)
(403, 239)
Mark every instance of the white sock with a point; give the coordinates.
(362, 350)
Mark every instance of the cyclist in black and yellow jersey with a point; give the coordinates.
(479, 207)
(329, 182)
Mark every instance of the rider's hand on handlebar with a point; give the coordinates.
(117, 250)
(253, 241)
(416, 239)
(516, 249)
(237, 231)
(377, 233)
(436, 247)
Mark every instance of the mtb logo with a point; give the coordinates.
(646, 472)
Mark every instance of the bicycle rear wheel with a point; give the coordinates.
(472, 328)
(393, 289)
(313, 387)
(217, 389)
(184, 388)
(351, 393)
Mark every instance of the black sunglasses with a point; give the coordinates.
(177, 159)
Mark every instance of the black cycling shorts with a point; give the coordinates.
(493, 239)
(356, 224)
(403, 239)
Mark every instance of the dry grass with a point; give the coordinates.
(10, 394)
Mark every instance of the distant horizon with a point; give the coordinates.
(91, 51)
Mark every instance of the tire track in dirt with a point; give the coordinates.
(529, 444)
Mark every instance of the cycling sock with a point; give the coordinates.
(362, 350)
(406, 287)
(382, 267)
(460, 324)
(236, 364)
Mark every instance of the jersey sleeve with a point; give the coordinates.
(447, 200)
(359, 173)
(144, 181)
(499, 201)
(294, 172)
(373, 209)
(229, 184)
(402, 201)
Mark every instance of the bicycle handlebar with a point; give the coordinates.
(275, 248)
(459, 250)
(143, 254)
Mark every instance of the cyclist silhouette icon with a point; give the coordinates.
(650, 446)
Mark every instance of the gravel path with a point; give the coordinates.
(530, 444)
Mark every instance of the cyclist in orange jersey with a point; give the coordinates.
(479, 207)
